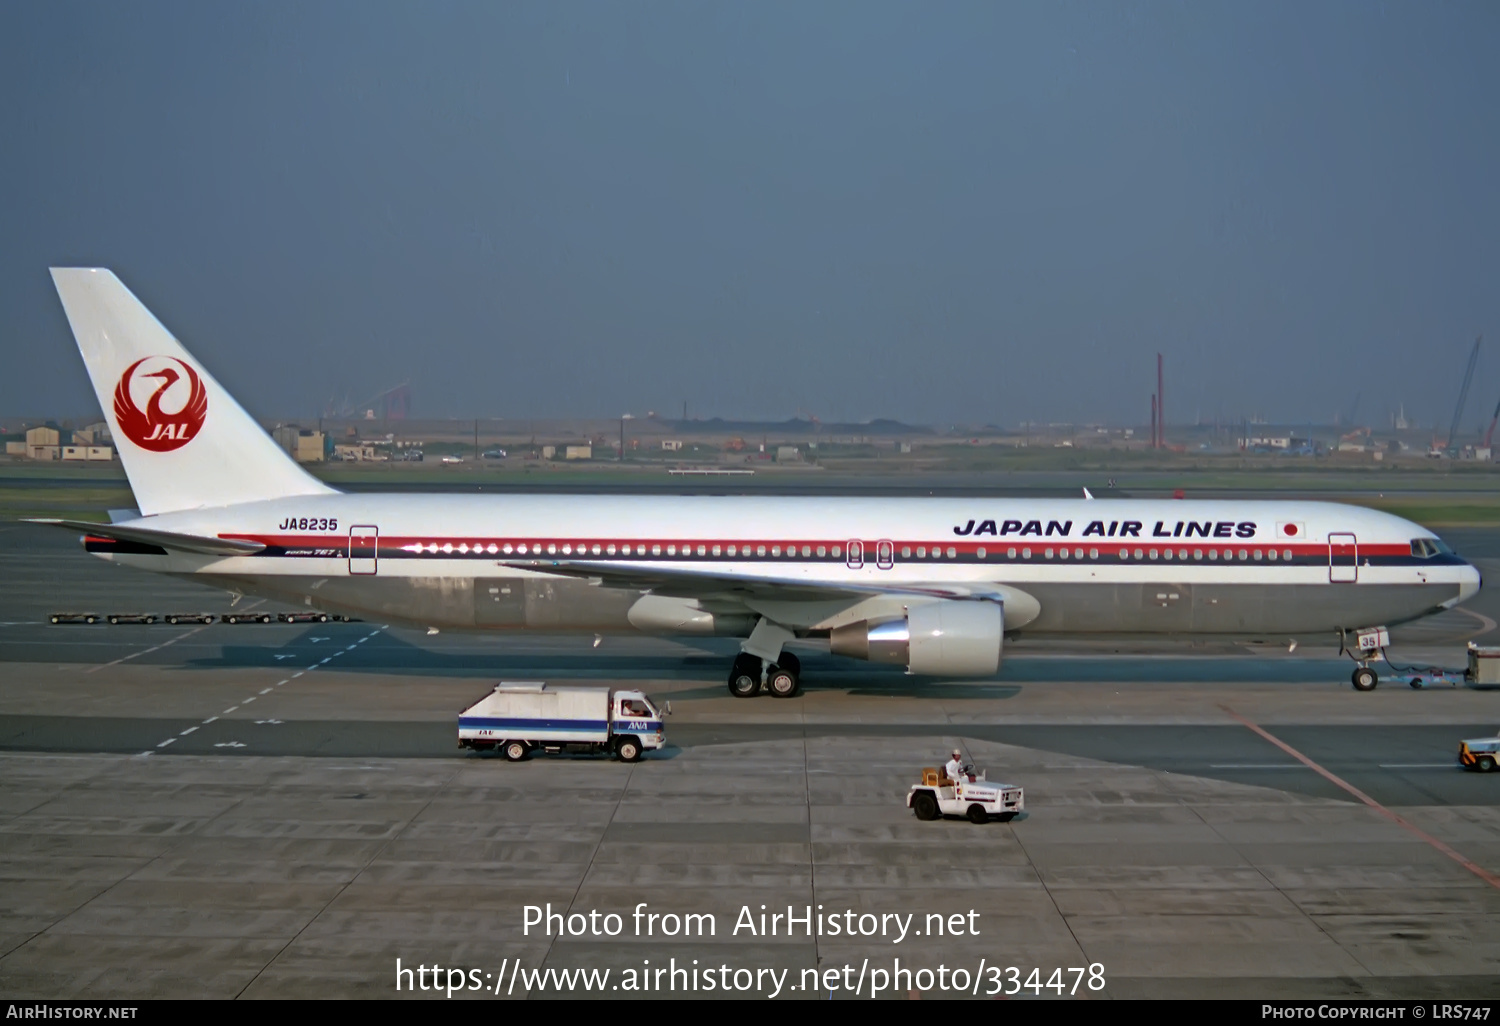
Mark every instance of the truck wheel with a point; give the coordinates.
(1485, 764)
(925, 806)
(1364, 679)
(629, 749)
(515, 751)
(114, 620)
(978, 815)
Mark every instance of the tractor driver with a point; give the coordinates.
(955, 768)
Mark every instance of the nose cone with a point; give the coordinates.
(1469, 581)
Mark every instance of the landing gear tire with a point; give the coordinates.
(977, 814)
(515, 751)
(925, 806)
(783, 683)
(744, 676)
(791, 662)
(1364, 679)
(629, 749)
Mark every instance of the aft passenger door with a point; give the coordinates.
(364, 543)
(1343, 558)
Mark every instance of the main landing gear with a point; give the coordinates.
(783, 678)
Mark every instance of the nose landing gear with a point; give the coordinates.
(1370, 644)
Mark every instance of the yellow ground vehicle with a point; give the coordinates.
(1480, 754)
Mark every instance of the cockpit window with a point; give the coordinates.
(1427, 548)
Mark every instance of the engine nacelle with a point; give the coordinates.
(942, 638)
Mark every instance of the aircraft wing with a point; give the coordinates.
(170, 540)
(710, 584)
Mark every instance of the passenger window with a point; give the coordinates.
(952, 552)
(838, 552)
(718, 551)
(980, 553)
(1124, 553)
(1093, 553)
(905, 552)
(731, 550)
(1026, 553)
(822, 551)
(1010, 553)
(760, 550)
(921, 551)
(1286, 554)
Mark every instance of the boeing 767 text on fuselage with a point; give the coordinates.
(932, 584)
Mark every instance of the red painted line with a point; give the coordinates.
(1473, 867)
(967, 546)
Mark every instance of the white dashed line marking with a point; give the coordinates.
(247, 701)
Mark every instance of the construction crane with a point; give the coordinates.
(1491, 432)
(1463, 393)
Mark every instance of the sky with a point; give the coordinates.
(949, 212)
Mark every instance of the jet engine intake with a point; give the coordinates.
(942, 638)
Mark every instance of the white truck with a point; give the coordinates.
(516, 719)
(974, 797)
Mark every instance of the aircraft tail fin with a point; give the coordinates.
(185, 443)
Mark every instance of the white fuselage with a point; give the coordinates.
(1074, 566)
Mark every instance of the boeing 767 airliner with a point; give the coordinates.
(933, 584)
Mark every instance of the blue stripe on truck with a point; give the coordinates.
(493, 723)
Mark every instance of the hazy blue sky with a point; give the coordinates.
(940, 212)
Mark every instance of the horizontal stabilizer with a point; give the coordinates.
(170, 540)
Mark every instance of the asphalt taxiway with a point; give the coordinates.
(279, 810)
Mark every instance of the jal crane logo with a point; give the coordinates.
(175, 408)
